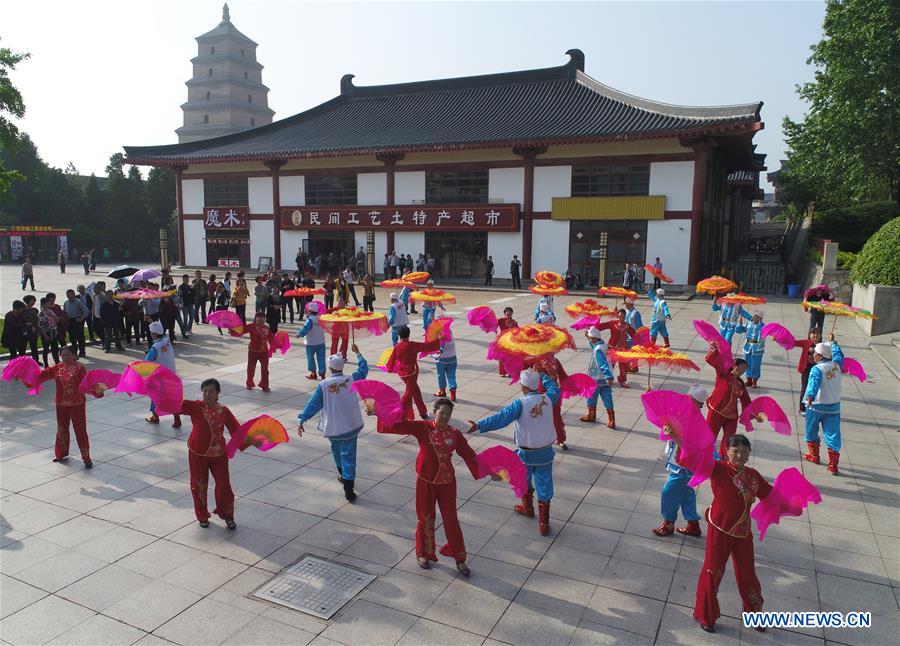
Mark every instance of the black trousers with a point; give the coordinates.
(488, 278)
(517, 281)
(76, 336)
(289, 301)
(367, 303)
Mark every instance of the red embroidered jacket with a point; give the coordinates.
(404, 359)
(436, 446)
(734, 492)
(259, 337)
(67, 381)
(728, 391)
(208, 427)
(618, 333)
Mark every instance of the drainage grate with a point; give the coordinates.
(315, 586)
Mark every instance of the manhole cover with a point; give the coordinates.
(315, 586)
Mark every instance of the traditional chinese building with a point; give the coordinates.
(226, 93)
(547, 164)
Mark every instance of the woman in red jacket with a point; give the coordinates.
(404, 362)
(436, 482)
(619, 333)
(70, 405)
(735, 487)
(727, 393)
(206, 452)
(806, 362)
(258, 351)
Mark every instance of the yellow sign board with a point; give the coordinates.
(651, 207)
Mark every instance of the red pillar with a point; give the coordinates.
(390, 162)
(701, 155)
(275, 167)
(528, 155)
(179, 205)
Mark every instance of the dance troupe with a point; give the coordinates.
(535, 416)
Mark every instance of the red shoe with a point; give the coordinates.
(813, 455)
(833, 458)
(527, 507)
(440, 393)
(544, 518)
(610, 418)
(692, 529)
(453, 394)
(666, 529)
(623, 383)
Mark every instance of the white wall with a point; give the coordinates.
(194, 242)
(671, 241)
(408, 187)
(192, 198)
(262, 242)
(291, 241)
(549, 245)
(675, 180)
(502, 246)
(259, 191)
(507, 184)
(410, 242)
(292, 190)
(371, 189)
(550, 182)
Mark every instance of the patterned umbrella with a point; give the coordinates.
(838, 309)
(653, 355)
(397, 283)
(533, 340)
(338, 321)
(549, 279)
(618, 292)
(715, 284)
(548, 290)
(658, 273)
(741, 299)
(145, 275)
(417, 276)
(588, 307)
(432, 295)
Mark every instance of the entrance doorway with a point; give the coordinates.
(457, 254)
(599, 249)
(336, 248)
(231, 251)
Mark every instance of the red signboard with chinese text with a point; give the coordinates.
(32, 230)
(445, 217)
(226, 217)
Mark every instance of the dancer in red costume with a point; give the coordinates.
(436, 482)
(340, 334)
(506, 323)
(735, 487)
(70, 406)
(258, 351)
(619, 333)
(723, 403)
(404, 362)
(206, 452)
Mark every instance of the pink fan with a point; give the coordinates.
(680, 414)
(483, 317)
(770, 410)
(281, 342)
(577, 385)
(157, 382)
(387, 405)
(26, 370)
(263, 432)
(853, 368)
(585, 323)
(708, 333)
(791, 494)
(511, 364)
(224, 318)
(96, 381)
(502, 462)
(781, 334)
(641, 336)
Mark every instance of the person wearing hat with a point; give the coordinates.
(754, 348)
(547, 300)
(619, 333)
(806, 361)
(404, 296)
(676, 492)
(535, 436)
(730, 319)
(162, 352)
(823, 403)
(436, 482)
(314, 338)
(446, 367)
(397, 317)
(544, 314)
(659, 316)
(633, 318)
(70, 405)
(404, 363)
(728, 391)
(602, 373)
(429, 308)
(341, 419)
(258, 351)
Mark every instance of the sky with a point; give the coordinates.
(107, 74)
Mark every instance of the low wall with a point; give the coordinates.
(883, 302)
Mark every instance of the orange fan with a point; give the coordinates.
(588, 307)
(715, 285)
(549, 279)
(548, 290)
(619, 292)
(397, 283)
(263, 432)
(658, 273)
(417, 276)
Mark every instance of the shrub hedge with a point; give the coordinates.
(879, 261)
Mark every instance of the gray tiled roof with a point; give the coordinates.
(551, 105)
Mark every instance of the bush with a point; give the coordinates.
(853, 225)
(879, 263)
(813, 255)
(846, 260)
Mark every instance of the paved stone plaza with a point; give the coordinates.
(115, 556)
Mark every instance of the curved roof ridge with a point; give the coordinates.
(670, 109)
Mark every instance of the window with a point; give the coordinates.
(225, 192)
(600, 181)
(210, 72)
(242, 54)
(207, 96)
(456, 187)
(252, 121)
(249, 98)
(245, 75)
(330, 189)
(205, 118)
(212, 50)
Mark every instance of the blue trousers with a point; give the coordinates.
(446, 371)
(658, 328)
(831, 427)
(539, 475)
(754, 365)
(395, 335)
(427, 317)
(604, 392)
(315, 353)
(343, 450)
(676, 493)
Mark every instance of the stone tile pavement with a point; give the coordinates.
(114, 555)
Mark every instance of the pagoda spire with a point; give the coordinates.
(226, 13)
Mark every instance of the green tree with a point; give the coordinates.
(847, 148)
(11, 104)
(878, 262)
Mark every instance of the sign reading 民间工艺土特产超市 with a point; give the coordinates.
(444, 217)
